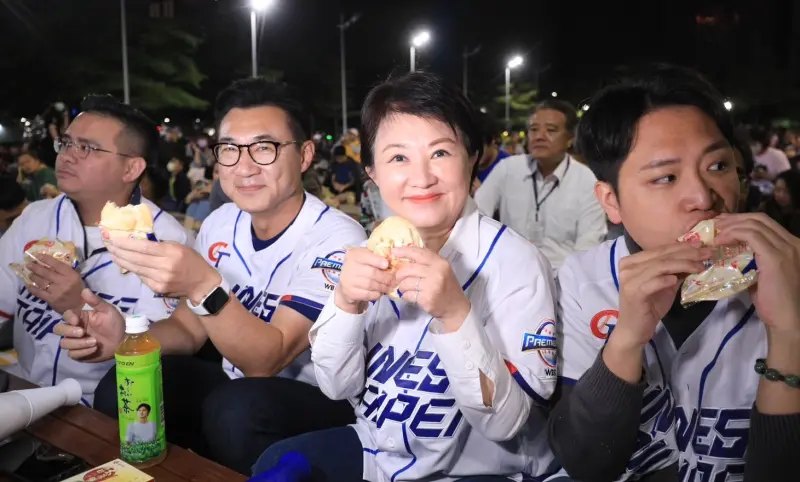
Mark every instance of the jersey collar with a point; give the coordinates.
(465, 236)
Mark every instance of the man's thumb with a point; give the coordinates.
(93, 300)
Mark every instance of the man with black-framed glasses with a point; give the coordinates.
(259, 274)
(101, 157)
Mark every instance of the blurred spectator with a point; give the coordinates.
(373, 209)
(200, 152)
(12, 202)
(155, 184)
(750, 198)
(774, 160)
(37, 179)
(352, 145)
(492, 154)
(761, 182)
(344, 177)
(217, 197)
(179, 185)
(197, 202)
(784, 207)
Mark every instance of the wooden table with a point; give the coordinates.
(94, 437)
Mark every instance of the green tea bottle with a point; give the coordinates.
(140, 397)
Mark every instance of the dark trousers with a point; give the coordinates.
(335, 455)
(232, 421)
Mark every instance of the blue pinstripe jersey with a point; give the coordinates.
(408, 417)
(298, 270)
(698, 399)
(40, 358)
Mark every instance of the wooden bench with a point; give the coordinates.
(94, 438)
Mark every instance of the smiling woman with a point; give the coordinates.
(455, 330)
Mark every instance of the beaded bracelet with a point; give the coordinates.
(774, 375)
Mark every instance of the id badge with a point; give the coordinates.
(536, 231)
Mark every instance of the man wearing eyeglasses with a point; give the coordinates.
(260, 272)
(101, 158)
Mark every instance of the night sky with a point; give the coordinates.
(578, 42)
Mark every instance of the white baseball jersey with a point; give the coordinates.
(299, 269)
(698, 398)
(416, 391)
(41, 360)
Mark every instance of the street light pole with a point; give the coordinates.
(515, 62)
(508, 98)
(467, 55)
(126, 86)
(418, 40)
(253, 47)
(342, 27)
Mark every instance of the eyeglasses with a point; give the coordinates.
(263, 153)
(81, 149)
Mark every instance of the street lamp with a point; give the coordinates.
(418, 41)
(256, 6)
(554, 94)
(515, 62)
(344, 25)
(728, 105)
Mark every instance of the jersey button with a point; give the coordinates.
(390, 442)
(469, 365)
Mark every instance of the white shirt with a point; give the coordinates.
(774, 160)
(570, 218)
(41, 360)
(698, 398)
(299, 270)
(416, 391)
(140, 432)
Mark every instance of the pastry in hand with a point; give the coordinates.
(393, 232)
(131, 221)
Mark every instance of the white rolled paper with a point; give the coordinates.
(20, 408)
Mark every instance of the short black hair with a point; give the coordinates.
(259, 92)
(562, 106)
(490, 130)
(421, 94)
(139, 133)
(33, 151)
(607, 131)
(145, 405)
(761, 135)
(11, 193)
(339, 150)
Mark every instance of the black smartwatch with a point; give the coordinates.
(213, 302)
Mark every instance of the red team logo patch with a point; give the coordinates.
(216, 253)
(603, 322)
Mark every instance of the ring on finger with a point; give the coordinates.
(418, 280)
(47, 287)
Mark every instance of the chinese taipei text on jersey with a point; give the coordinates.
(409, 422)
(41, 360)
(698, 398)
(299, 269)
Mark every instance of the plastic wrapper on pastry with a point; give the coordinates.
(64, 252)
(731, 270)
(109, 234)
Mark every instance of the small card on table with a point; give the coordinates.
(114, 471)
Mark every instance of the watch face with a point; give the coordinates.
(216, 301)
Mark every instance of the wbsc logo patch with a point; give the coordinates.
(331, 267)
(170, 303)
(543, 342)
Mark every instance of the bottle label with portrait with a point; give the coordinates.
(140, 402)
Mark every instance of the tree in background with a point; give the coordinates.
(523, 99)
(162, 70)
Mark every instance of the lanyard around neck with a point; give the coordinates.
(538, 202)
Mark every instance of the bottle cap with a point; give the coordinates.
(136, 324)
